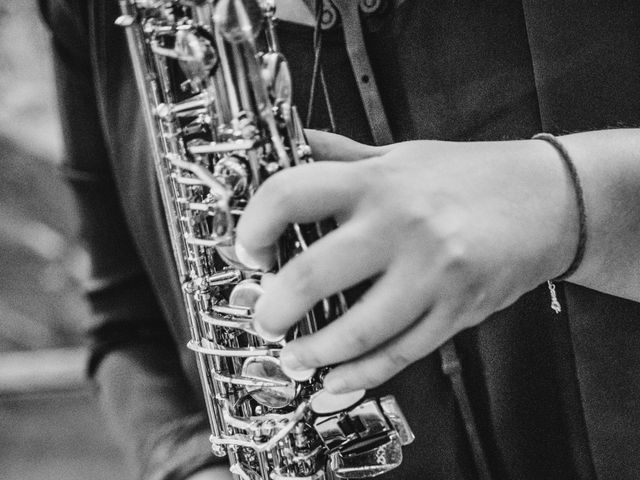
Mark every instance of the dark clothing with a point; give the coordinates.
(555, 396)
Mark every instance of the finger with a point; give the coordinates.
(390, 306)
(303, 194)
(337, 261)
(377, 367)
(337, 148)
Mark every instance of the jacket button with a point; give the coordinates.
(329, 16)
(371, 6)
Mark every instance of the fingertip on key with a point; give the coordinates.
(267, 336)
(336, 385)
(258, 310)
(293, 369)
(246, 258)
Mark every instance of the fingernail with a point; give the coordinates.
(246, 258)
(335, 384)
(292, 367)
(267, 336)
(290, 360)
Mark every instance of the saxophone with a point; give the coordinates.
(216, 98)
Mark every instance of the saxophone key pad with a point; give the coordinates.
(265, 369)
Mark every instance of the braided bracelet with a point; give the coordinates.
(582, 215)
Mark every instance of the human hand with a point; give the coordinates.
(452, 232)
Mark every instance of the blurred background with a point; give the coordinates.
(51, 426)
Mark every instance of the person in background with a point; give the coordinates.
(458, 214)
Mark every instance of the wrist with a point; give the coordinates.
(576, 185)
(556, 228)
(607, 161)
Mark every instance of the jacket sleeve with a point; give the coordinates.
(148, 402)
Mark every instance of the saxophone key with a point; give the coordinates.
(223, 147)
(280, 393)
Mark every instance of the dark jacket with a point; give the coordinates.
(554, 396)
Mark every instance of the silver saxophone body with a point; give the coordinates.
(216, 97)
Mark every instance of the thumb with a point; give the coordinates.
(327, 146)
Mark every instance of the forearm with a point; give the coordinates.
(608, 163)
